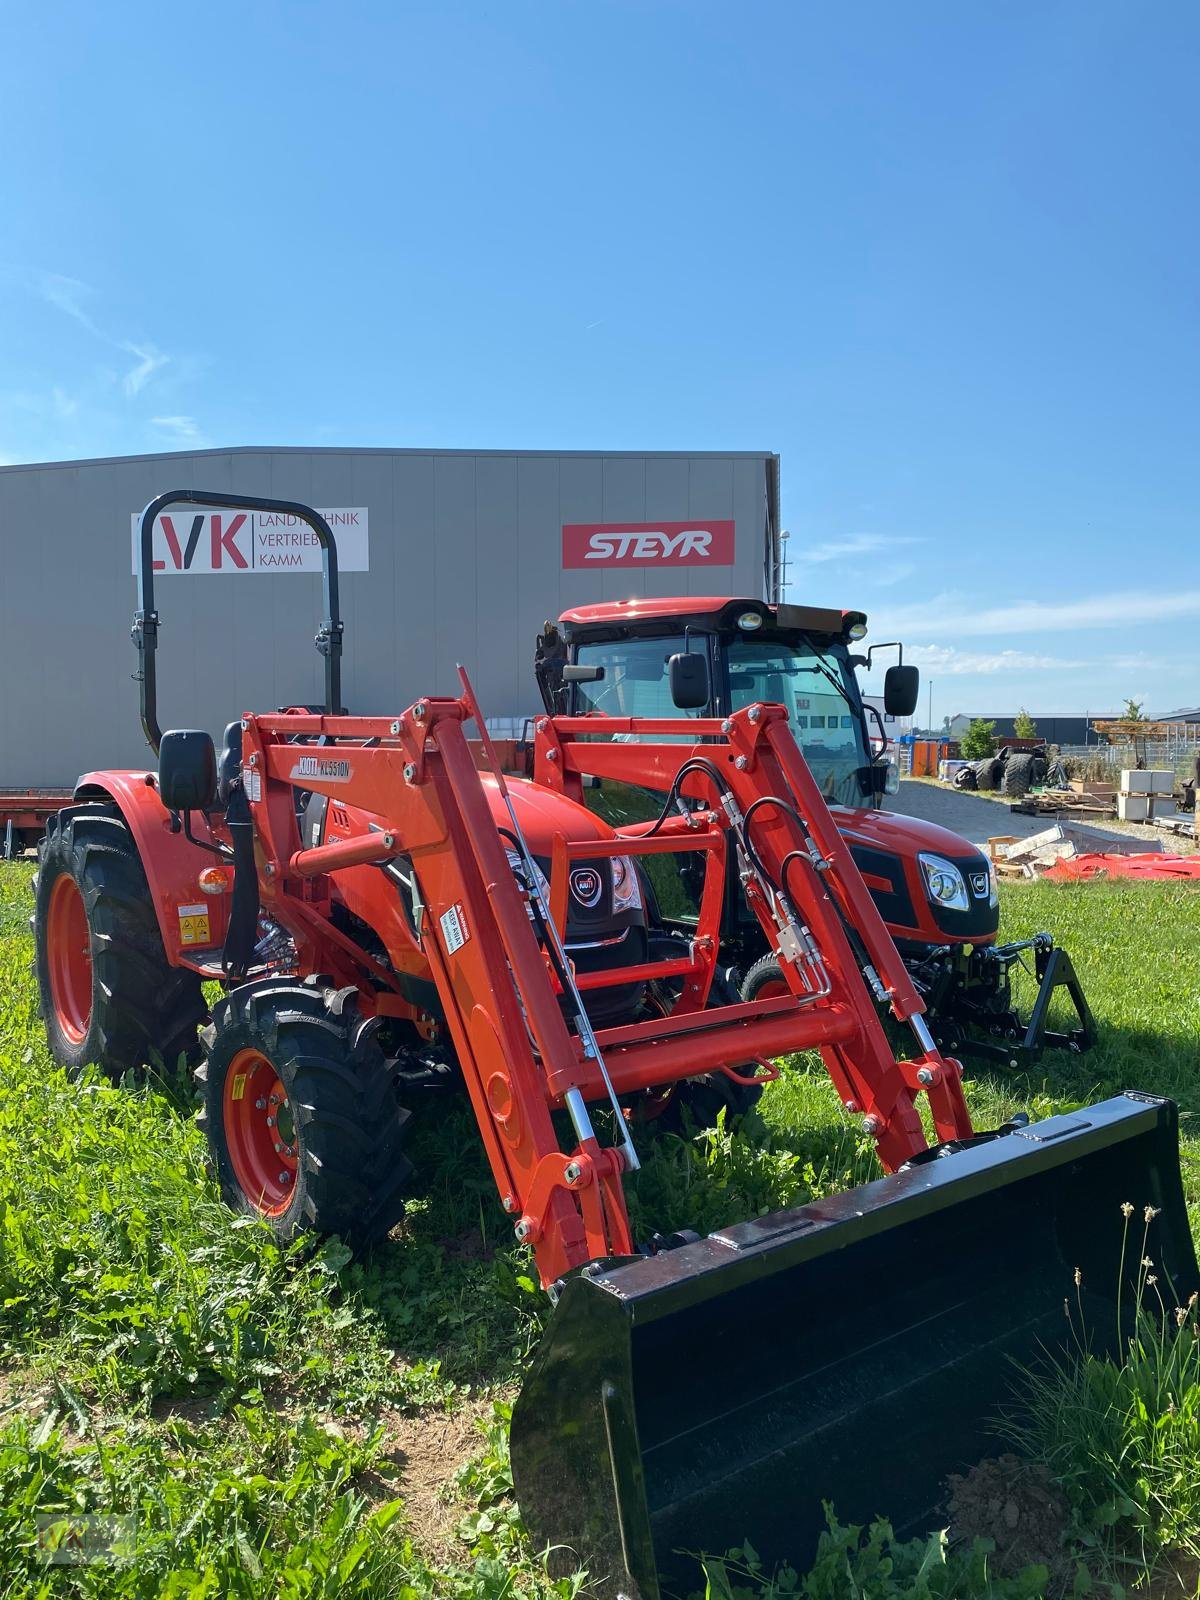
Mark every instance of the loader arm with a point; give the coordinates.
(500, 988)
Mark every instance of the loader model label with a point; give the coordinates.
(191, 541)
(648, 544)
(325, 769)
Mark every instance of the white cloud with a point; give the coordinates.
(149, 360)
(182, 430)
(969, 620)
(945, 660)
(858, 544)
(69, 295)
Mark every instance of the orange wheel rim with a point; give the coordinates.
(772, 989)
(260, 1131)
(69, 958)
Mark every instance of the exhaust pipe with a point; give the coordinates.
(856, 1350)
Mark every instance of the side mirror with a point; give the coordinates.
(187, 770)
(575, 673)
(901, 686)
(687, 675)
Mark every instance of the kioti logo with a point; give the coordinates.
(648, 544)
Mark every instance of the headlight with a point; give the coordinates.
(520, 873)
(892, 782)
(944, 883)
(626, 886)
(993, 885)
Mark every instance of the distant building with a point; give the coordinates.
(1054, 727)
(1191, 717)
(894, 726)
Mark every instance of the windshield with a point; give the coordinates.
(635, 681)
(821, 712)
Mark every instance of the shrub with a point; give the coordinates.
(979, 740)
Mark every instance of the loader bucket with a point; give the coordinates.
(856, 1350)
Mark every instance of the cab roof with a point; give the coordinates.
(716, 609)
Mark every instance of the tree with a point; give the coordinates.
(1133, 711)
(979, 740)
(1024, 727)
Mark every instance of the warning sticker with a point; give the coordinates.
(454, 929)
(193, 925)
(239, 1087)
(252, 783)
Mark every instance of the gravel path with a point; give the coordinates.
(979, 820)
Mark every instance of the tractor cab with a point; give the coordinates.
(692, 658)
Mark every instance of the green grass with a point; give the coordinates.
(160, 1360)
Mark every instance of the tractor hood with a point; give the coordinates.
(886, 848)
(542, 813)
(901, 835)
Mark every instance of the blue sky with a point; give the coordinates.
(942, 257)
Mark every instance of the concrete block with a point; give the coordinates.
(1135, 782)
(1133, 807)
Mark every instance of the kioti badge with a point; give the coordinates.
(586, 886)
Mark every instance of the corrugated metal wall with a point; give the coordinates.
(465, 564)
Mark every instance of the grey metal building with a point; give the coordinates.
(449, 555)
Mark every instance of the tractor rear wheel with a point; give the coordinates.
(300, 1111)
(105, 988)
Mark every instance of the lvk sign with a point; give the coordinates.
(648, 544)
(190, 540)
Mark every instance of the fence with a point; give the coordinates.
(1169, 755)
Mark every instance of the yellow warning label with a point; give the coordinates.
(193, 925)
(239, 1086)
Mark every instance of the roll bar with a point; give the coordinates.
(145, 619)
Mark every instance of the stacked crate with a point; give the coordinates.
(1145, 795)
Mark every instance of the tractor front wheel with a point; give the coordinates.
(106, 990)
(300, 1111)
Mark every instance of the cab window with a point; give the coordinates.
(635, 678)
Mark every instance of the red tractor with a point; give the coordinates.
(380, 913)
(936, 892)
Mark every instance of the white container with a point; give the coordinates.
(1161, 782)
(1133, 807)
(1135, 782)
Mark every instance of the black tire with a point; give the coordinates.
(964, 778)
(987, 772)
(340, 1117)
(766, 973)
(140, 1008)
(1017, 778)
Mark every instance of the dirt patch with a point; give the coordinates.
(468, 1246)
(1018, 1506)
(1180, 1580)
(426, 1451)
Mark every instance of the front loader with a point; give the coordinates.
(689, 1393)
